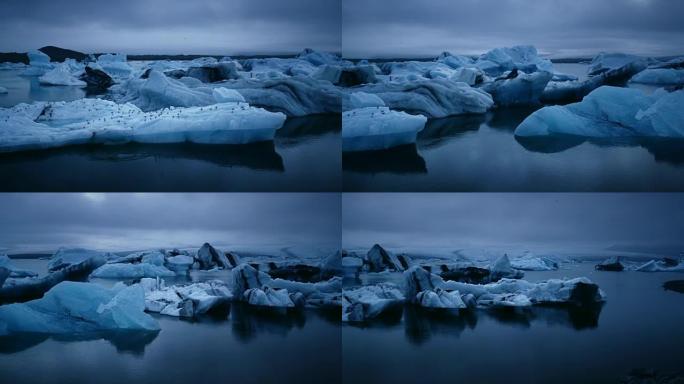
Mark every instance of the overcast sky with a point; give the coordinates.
(555, 221)
(171, 26)
(36, 222)
(562, 28)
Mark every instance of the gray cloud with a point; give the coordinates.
(132, 221)
(556, 220)
(376, 28)
(162, 26)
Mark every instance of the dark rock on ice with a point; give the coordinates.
(611, 264)
(96, 78)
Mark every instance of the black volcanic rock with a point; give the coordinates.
(96, 79)
(13, 57)
(61, 54)
(612, 264)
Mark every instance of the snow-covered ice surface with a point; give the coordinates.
(369, 125)
(46, 125)
(660, 76)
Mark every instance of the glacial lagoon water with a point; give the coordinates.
(305, 156)
(244, 346)
(480, 153)
(639, 326)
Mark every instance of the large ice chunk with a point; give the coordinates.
(368, 302)
(39, 64)
(611, 112)
(375, 128)
(605, 62)
(131, 271)
(72, 308)
(268, 297)
(189, 300)
(115, 65)
(12, 270)
(431, 98)
(45, 125)
(521, 89)
(61, 75)
(660, 76)
(522, 57)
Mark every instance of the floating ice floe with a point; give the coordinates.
(189, 300)
(502, 268)
(3, 90)
(659, 76)
(606, 69)
(369, 125)
(518, 88)
(433, 98)
(115, 65)
(522, 57)
(13, 271)
(179, 263)
(379, 259)
(45, 125)
(505, 292)
(73, 308)
(39, 64)
(660, 266)
(534, 263)
(294, 96)
(247, 281)
(611, 112)
(611, 264)
(61, 75)
(131, 271)
(368, 302)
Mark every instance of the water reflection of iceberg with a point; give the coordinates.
(669, 151)
(248, 322)
(402, 159)
(312, 125)
(436, 130)
(124, 341)
(259, 156)
(421, 324)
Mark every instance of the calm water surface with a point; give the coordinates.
(638, 327)
(243, 346)
(305, 156)
(480, 153)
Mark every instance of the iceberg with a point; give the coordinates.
(522, 57)
(366, 303)
(611, 112)
(440, 298)
(73, 308)
(13, 271)
(432, 98)
(502, 268)
(96, 79)
(268, 297)
(209, 257)
(190, 300)
(76, 261)
(611, 264)
(659, 266)
(131, 271)
(605, 62)
(60, 75)
(115, 65)
(179, 263)
(96, 121)
(659, 76)
(3, 90)
(331, 265)
(380, 260)
(522, 89)
(532, 263)
(294, 96)
(372, 126)
(39, 64)
(506, 292)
